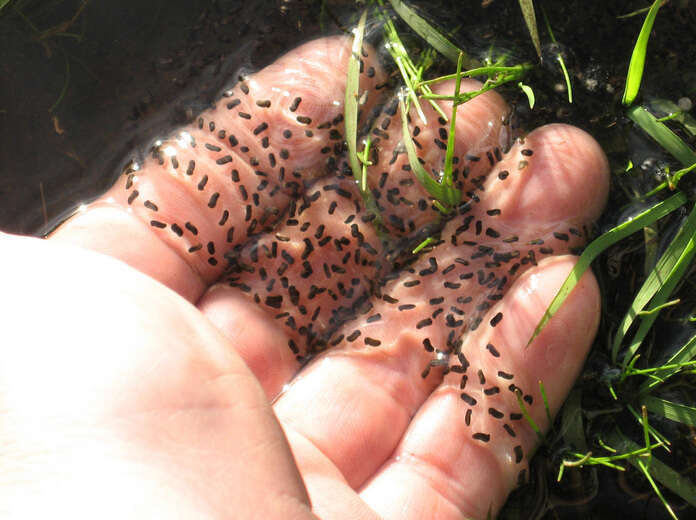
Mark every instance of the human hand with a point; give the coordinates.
(370, 436)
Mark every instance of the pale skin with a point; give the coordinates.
(132, 385)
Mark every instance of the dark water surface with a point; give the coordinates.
(73, 108)
(81, 89)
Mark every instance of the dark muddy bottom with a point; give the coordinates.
(84, 87)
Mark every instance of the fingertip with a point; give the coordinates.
(480, 121)
(576, 150)
(559, 173)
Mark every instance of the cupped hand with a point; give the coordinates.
(242, 251)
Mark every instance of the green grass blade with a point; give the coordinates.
(672, 411)
(658, 308)
(649, 431)
(436, 190)
(351, 100)
(429, 33)
(571, 421)
(569, 85)
(671, 183)
(545, 398)
(673, 481)
(559, 56)
(527, 7)
(636, 12)
(667, 286)
(675, 114)
(528, 417)
(660, 471)
(401, 57)
(655, 280)
(358, 165)
(637, 64)
(3, 3)
(449, 155)
(512, 72)
(644, 468)
(529, 93)
(663, 135)
(609, 238)
(685, 354)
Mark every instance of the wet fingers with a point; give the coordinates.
(419, 325)
(469, 444)
(228, 176)
(316, 271)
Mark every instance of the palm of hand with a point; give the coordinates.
(305, 269)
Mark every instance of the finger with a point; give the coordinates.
(325, 258)
(445, 463)
(425, 311)
(230, 174)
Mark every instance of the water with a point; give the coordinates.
(138, 69)
(141, 68)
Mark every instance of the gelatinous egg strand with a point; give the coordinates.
(281, 219)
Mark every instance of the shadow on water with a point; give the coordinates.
(78, 96)
(84, 84)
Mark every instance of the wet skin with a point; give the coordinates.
(176, 307)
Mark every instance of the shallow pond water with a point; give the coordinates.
(84, 88)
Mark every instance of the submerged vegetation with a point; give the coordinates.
(644, 413)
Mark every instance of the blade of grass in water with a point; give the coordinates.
(567, 77)
(637, 12)
(497, 76)
(411, 73)
(644, 468)
(559, 56)
(648, 430)
(358, 164)
(678, 484)
(671, 183)
(685, 354)
(449, 155)
(672, 411)
(527, 7)
(571, 421)
(687, 122)
(600, 244)
(663, 135)
(431, 35)
(403, 61)
(508, 73)
(667, 286)
(445, 195)
(545, 398)
(351, 101)
(656, 280)
(637, 64)
(529, 93)
(528, 418)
